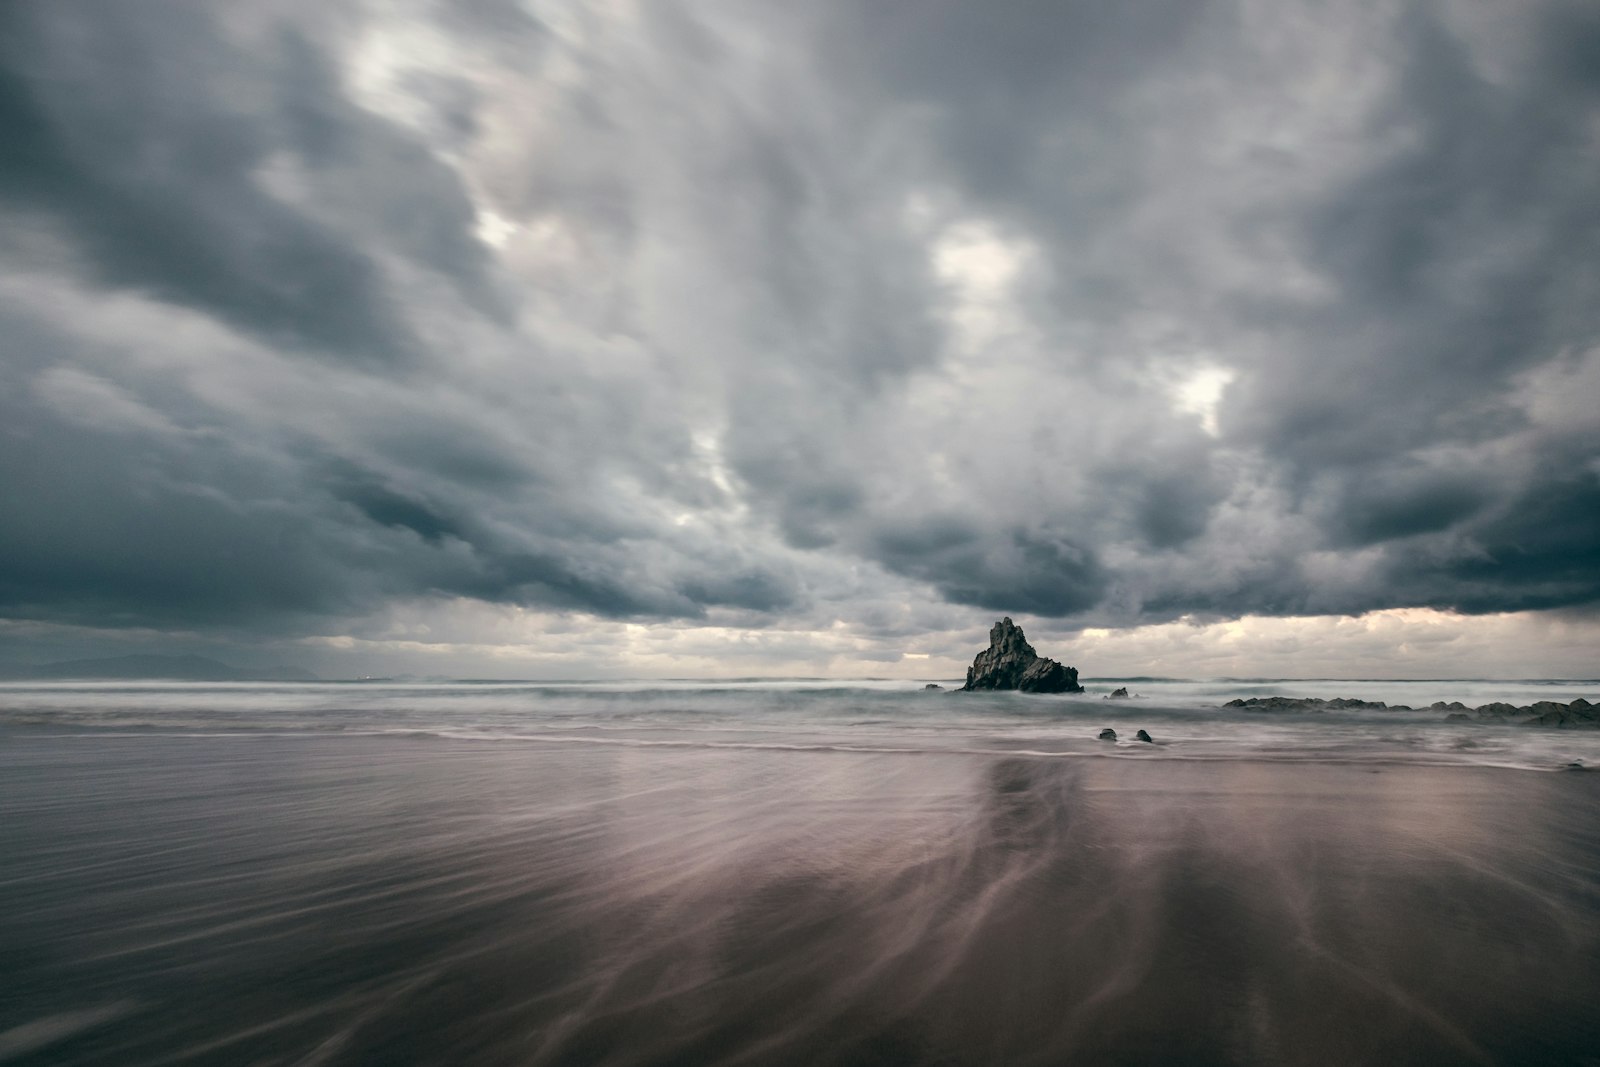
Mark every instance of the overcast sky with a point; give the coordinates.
(514, 338)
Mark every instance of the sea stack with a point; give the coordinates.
(1011, 663)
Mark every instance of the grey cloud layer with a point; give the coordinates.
(1113, 313)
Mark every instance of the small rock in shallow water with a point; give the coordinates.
(933, 685)
(1142, 736)
(1118, 694)
(1108, 734)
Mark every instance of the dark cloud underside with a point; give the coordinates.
(1106, 312)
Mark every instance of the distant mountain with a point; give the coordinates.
(153, 668)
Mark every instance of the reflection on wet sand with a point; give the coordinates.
(365, 900)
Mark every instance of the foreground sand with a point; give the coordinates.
(353, 900)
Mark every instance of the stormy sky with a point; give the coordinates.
(525, 338)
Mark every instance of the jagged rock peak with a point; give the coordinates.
(1011, 663)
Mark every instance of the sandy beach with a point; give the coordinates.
(254, 898)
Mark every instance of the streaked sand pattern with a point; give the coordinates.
(324, 899)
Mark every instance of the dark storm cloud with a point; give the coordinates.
(101, 533)
(110, 529)
(1462, 259)
(1541, 551)
(120, 514)
(1460, 253)
(1019, 570)
(1389, 504)
(1467, 254)
(389, 508)
(150, 142)
(1106, 312)
(1005, 77)
(143, 136)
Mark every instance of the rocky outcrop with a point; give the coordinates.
(1312, 704)
(1142, 736)
(1118, 694)
(1108, 734)
(1579, 713)
(1011, 663)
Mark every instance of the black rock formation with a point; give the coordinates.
(1118, 694)
(1011, 663)
(1142, 736)
(933, 685)
(1312, 704)
(1551, 713)
(1579, 714)
(1108, 734)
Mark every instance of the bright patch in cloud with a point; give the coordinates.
(1200, 392)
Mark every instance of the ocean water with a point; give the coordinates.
(1186, 718)
(792, 872)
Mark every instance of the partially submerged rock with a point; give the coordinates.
(1118, 694)
(933, 685)
(1011, 663)
(1108, 734)
(1312, 704)
(1142, 736)
(1579, 713)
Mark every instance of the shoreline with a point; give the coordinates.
(1123, 750)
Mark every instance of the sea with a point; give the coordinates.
(793, 871)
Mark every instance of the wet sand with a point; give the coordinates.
(264, 899)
